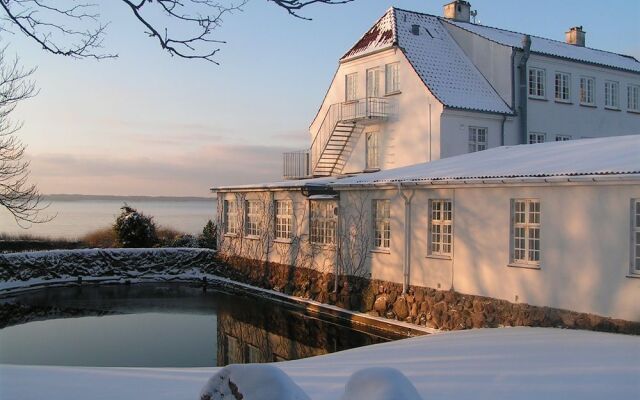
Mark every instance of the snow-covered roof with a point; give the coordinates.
(289, 184)
(436, 57)
(586, 157)
(552, 47)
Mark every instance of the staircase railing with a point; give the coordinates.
(350, 111)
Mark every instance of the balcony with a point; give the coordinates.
(296, 165)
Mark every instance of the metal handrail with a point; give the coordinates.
(350, 111)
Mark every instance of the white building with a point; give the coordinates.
(418, 87)
(395, 196)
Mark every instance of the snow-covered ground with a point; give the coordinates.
(513, 363)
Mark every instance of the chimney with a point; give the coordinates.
(458, 10)
(575, 36)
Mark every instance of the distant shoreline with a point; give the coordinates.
(80, 197)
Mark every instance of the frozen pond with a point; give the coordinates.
(161, 325)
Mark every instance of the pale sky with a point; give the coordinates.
(150, 124)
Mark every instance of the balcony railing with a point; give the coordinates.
(296, 165)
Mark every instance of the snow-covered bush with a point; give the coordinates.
(379, 383)
(134, 229)
(208, 237)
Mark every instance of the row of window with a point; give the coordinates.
(374, 82)
(525, 225)
(562, 90)
(478, 138)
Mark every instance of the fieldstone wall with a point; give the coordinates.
(447, 310)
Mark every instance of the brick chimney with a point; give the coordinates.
(575, 36)
(458, 10)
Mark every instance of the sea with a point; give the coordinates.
(77, 215)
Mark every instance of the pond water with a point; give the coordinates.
(161, 325)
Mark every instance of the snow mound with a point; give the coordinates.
(380, 383)
(251, 382)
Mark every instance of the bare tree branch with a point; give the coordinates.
(183, 28)
(17, 195)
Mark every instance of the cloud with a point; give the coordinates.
(179, 174)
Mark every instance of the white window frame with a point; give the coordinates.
(587, 90)
(612, 95)
(536, 137)
(440, 228)
(323, 222)
(562, 87)
(392, 78)
(635, 236)
(526, 217)
(381, 224)
(351, 87)
(633, 98)
(372, 150)
(478, 138)
(374, 82)
(284, 219)
(562, 138)
(536, 79)
(253, 213)
(231, 223)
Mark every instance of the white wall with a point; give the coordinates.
(585, 247)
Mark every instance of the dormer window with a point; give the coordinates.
(351, 87)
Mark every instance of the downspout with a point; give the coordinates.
(504, 119)
(406, 260)
(522, 67)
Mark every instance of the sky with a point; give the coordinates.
(147, 123)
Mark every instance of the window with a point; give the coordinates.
(563, 87)
(253, 210)
(536, 82)
(254, 355)
(351, 87)
(587, 86)
(323, 221)
(633, 98)
(374, 82)
(284, 219)
(477, 139)
(526, 231)
(440, 227)
(372, 150)
(611, 94)
(231, 217)
(382, 224)
(562, 138)
(536, 137)
(234, 352)
(392, 78)
(635, 241)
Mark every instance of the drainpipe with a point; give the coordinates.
(406, 261)
(522, 67)
(504, 118)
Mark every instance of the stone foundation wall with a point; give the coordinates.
(447, 310)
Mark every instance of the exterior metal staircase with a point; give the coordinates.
(328, 153)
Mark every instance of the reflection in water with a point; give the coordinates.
(160, 325)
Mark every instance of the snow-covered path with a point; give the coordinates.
(514, 363)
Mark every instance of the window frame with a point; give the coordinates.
(374, 88)
(635, 237)
(587, 91)
(283, 224)
(562, 87)
(231, 223)
(537, 136)
(253, 212)
(563, 138)
(436, 243)
(324, 231)
(351, 87)
(372, 150)
(392, 78)
(536, 83)
(633, 98)
(474, 142)
(527, 226)
(381, 224)
(612, 95)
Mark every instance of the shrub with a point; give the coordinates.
(166, 236)
(185, 240)
(101, 238)
(134, 229)
(208, 238)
